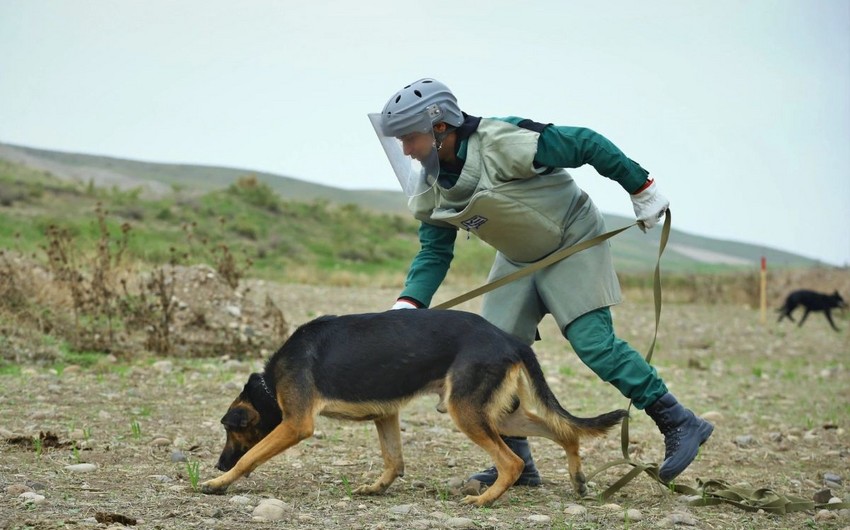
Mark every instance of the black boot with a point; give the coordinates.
(529, 476)
(683, 434)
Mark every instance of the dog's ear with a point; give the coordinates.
(240, 418)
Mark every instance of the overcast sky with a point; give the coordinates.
(740, 110)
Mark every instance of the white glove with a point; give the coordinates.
(404, 304)
(649, 206)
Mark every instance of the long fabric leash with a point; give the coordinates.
(707, 493)
(537, 265)
(713, 491)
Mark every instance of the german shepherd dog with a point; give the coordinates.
(811, 301)
(367, 366)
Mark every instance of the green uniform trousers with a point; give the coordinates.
(612, 359)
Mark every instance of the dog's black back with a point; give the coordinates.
(811, 301)
(360, 361)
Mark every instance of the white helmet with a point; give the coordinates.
(407, 110)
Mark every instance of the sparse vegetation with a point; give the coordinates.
(213, 282)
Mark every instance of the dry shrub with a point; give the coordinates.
(94, 302)
(92, 282)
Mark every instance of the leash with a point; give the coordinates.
(707, 493)
(713, 491)
(537, 265)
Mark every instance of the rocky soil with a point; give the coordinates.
(122, 443)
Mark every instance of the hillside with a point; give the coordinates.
(633, 250)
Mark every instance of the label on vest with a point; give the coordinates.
(474, 222)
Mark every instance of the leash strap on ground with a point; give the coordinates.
(709, 492)
(534, 267)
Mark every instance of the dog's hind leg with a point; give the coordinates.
(285, 435)
(577, 477)
(829, 318)
(805, 315)
(523, 422)
(389, 434)
(473, 422)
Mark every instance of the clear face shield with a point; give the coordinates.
(411, 149)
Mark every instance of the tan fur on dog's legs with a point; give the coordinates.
(389, 434)
(522, 422)
(282, 437)
(574, 464)
(509, 465)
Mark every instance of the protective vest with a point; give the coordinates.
(522, 211)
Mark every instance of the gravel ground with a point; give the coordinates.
(778, 396)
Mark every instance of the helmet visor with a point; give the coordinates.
(416, 172)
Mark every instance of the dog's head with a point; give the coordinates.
(839, 301)
(248, 420)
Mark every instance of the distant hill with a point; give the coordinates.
(633, 250)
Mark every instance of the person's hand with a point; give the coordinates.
(404, 304)
(649, 206)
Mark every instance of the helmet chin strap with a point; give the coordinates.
(439, 137)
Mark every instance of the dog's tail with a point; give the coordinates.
(551, 409)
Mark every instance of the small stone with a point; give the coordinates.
(239, 499)
(744, 440)
(683, 519)
(825, 515)
(178, 456)
(31, 497)
(611, 507)
(541, 519)
(832, 477)
(471, 487)
(460, 522)
(270, 510)
(160, 442)
(456, 483)
(402, 509)
(822, 496)
(575, 510)
(633, 515)
(81, 468)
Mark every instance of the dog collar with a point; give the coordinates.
(265, 387)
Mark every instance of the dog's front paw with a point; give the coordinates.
(211, 488)
(377, 488)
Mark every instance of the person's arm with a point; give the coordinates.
(570, 147)
(560, 146)
(429, 267)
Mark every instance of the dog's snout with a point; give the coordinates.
(224, 464)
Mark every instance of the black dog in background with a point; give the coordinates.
(811, 301)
